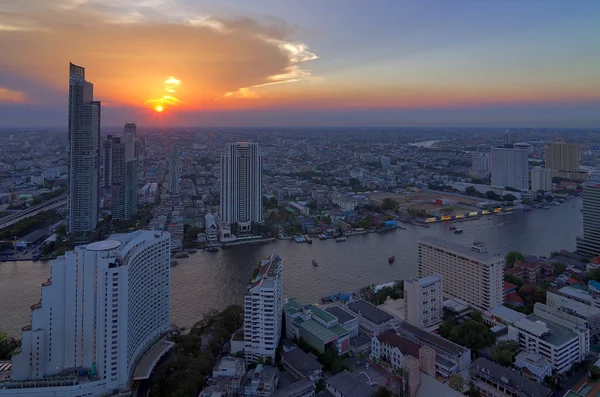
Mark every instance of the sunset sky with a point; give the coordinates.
(531, 63)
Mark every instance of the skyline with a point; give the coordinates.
(434, 64)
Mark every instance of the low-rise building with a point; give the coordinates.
(493, 380)
(348, 384)
(319, 328)
(576, 302)
(210, 228)
(261, 381)
(301, 388)
(450, 357)
(561, 338)
(302, 365)
(346, 319)
(392, 348)
(533, 366)
(371, 320)
(228, 372)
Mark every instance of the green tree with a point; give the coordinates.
(471, 191)
(327, 220)
(491, 195)
(476, 316)
(512, 257)
(473, 392)
(457, 382)
(593, 274)
(7, 346)
(513, 280)
(389, 204)
(320, 386)
(594, 372)
(269, 361)
(504, 352)
(548, 381)
(382, 392)
(193, 231)
(509, 197)
(559, 268)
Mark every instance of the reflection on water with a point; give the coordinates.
(213, 280)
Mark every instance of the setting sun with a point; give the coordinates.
(159, 108)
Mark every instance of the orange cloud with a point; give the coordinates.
(7, 95)
(132, 55)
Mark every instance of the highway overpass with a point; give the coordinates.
(56, 202)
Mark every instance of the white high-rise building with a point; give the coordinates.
(589, 243)
(480, 166)
(423, 301)
(83, 154)
(263, 308)
(123, 177)
(241, 185)
(174, 172)
(541, 179)
(470, 274)
(509, 167)
(101, 309)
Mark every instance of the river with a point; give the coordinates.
(207, 281)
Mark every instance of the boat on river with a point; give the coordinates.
(174, 262)
(315, 263)
(212, 248)
(340, 239)
(391, 259)
(458, 231)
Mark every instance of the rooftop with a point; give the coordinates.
(406, 347)
(298, 388)
(302, 362)
(322, 314)
(463, 250)
(370, 312)
(432, 340)
(430, 386)
(321, 332)
(342, 315)
(506, 314)
(553, 333)
(508, 378)
(576, 293)
(349, 385)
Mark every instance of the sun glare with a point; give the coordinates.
(159, 108)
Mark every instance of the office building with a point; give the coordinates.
(578, 303)
(541, 179)
(83, 154)
(473, 276)
(509, 167)
(107, 152)
(174, 172)
(104, 305)
(480, 166)
(241, 185)
(263, 306)
(123, 177)
(589, 243)
(423, 301)
(561, 338)
(562, 158)
(130, 129)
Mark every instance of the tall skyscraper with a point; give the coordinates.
(83, 153)
(563, 159)
(241, 185)
(541, 179)
(263, 308)
(104, 305)
(475, 277)
(589, 243)
(423, 301)
(174, 172)
(107, 152)
(130, 128)
(123, 177)
(509, 167)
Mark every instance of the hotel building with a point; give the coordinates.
(472, 276)
(104, 305)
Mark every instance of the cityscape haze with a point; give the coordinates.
(333, 199)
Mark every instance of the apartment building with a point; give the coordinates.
(561, 338)
(263, 307)
(473, 276)
(423, 301)
(589, 243)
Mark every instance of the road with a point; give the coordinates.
(33, 211)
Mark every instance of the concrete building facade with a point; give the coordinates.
(541, 179)
(104, 305)
(562, 158)
(241, 185)
(472, 276)
(423, 301)
(263, 307)
(83, 154)
(589, 243)
(509, 167)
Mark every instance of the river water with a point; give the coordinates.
(207, 281)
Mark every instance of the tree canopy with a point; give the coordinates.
(514, 256)
(471, 334)
(504, 352)
(457, 382)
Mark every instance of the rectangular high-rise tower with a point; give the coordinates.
(589, 243)
(123, 177)
(241, 185)
(83, 153)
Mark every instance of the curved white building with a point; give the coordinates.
(104, 305)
